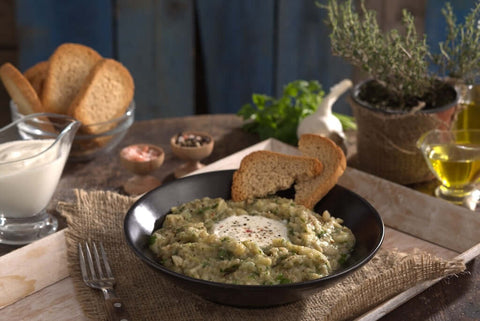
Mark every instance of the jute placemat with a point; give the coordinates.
(98, 216)
(386, 142)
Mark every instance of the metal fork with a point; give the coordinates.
(99, 276)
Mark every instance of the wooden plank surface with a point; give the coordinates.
(205, 56)
(32, 268)
(386, 307)
(55, 299)
(237, 47)
(435, 25)
(43, 25)
(303, 49)
(389, 15)
(56, 302)
(8, 34)
(156, 42)
(8, 52)
(6, 55)
(413, 212)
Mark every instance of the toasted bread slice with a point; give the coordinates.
(20, 90)
(263, 173)
(105, 95)
(68, 68)
(309, 192)
(36, 75)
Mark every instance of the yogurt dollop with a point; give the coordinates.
(260, 229)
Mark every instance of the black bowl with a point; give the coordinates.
(148, 213)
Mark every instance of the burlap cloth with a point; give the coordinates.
(98, 216)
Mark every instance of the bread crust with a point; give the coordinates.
(36, 75)
(20, 90)
(68, 67)
(310, 192)
(105, 95)
(263, 173)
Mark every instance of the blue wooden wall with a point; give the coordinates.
(237, 40)
(198, 56)
(436, 26)
(43, 25)
(155, 40)
(188, 56)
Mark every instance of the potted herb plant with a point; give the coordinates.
(403, 98)
(459, 60)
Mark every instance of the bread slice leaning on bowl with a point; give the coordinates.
(68, 67)
(105, 95)
(263, 173)
(20, 90)
(310, 192)
(36, 75)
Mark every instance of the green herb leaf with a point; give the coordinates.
(321, 234)
(282, 279)
(151, 240)
(343, 259)
(224, 254)
(279, 118)
(348, 122)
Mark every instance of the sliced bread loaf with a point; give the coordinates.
(263, 173)
(105, 95)
(36, 75)
(20, 90)
(309, 192)
(68, 68)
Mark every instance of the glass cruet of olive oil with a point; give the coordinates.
(454, 157)
(469, 115)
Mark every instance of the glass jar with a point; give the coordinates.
(469, 116)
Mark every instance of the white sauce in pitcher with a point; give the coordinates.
(257, 228)
(28, 178)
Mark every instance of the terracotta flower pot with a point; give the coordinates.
(386, 140)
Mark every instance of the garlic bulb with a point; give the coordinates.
(323, 122)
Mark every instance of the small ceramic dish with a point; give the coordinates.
(141, 160)
(191, 146)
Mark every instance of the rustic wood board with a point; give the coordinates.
(46, 291)
(32, 268)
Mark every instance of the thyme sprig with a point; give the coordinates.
(398, 62)
(459, 55)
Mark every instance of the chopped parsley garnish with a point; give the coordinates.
(224, 254)
(206, 208)
(151, 240)
(321, 234)
(343, 259)
(282, 279)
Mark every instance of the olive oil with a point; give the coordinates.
(469, 117)
(455, 165)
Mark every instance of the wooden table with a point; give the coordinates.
(452, 299)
